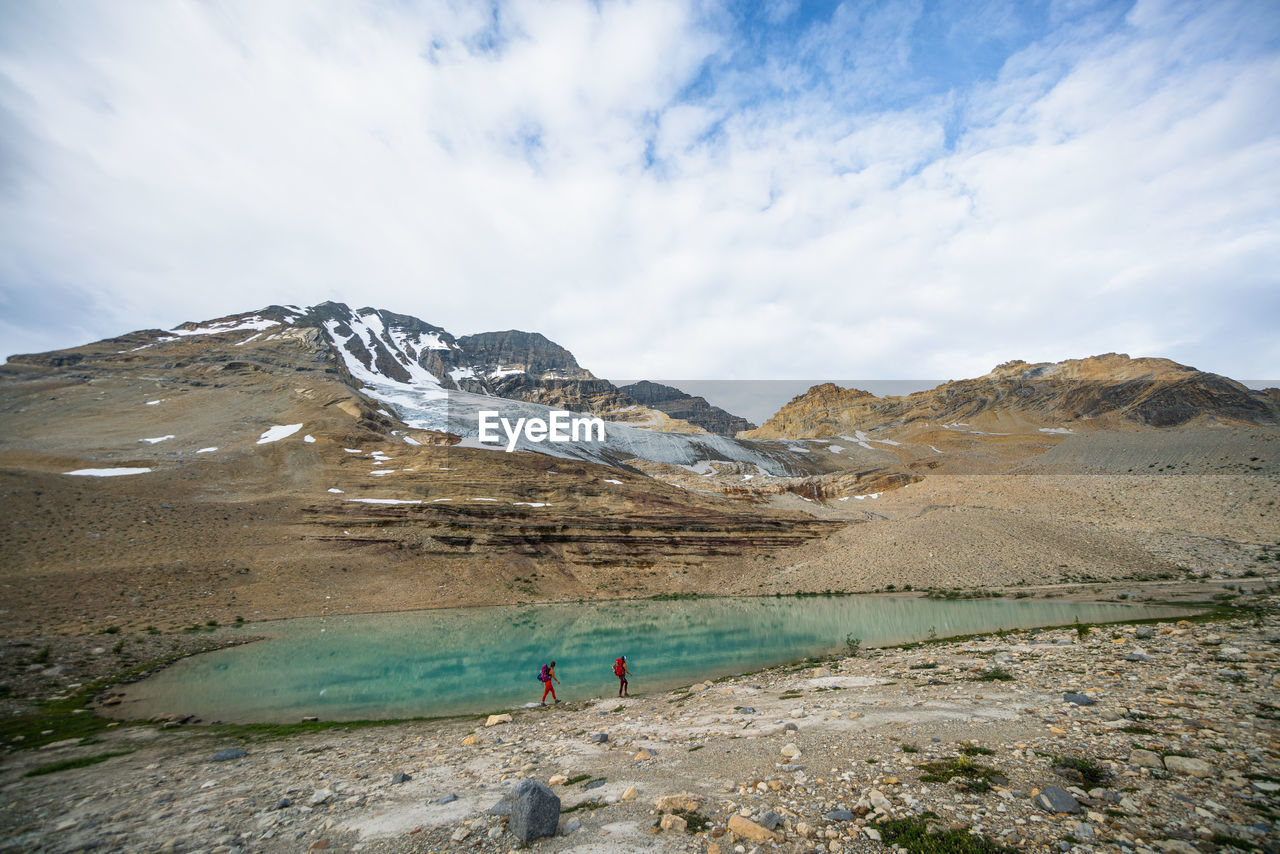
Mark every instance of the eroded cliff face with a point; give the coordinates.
(1112, 390)
(686, 407)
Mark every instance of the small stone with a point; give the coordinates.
(1188, 765)
(321, 796)
(797, 713)
(839, 815)
(1056, 799)
(229, 754)
(629, 793)
(1083, 831)
(673, 822)
(319, 845)
(790, 751)
(494, 720)
(872, 833)
(461, 833)
(770, 820)
(469, 740)
(598, 738)
(572, 827)
(804, 829)
(557, 780)
(283, 802)
(1078, 699)
(447, 799)
(400, 777)
(879, 801)
(644, 754)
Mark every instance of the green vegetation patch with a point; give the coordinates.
(994, 674)
(78, 762)
(1093, 773)
(976, 750)
(975, 775)
(915, 835)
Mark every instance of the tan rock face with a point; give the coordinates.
(673, 822)
(494, 720)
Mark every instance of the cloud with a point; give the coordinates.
(653, 185)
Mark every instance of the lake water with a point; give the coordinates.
(483, 659)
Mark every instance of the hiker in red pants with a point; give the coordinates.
(547, 676)
(620, 670)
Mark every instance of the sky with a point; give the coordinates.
(697, 189)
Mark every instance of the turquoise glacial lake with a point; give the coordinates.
(472, 660)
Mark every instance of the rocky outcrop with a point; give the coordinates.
(686, 407)
(1112, 390)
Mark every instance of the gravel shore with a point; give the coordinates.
(1126, 738)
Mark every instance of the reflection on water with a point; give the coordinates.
(482, 659)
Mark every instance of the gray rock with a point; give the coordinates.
(1188, 765)
(790, 727)
(1144, 632)
(229, 754)
(535, 811)
(746, 710)
(1057, 800)
(1137, 656)
(321, 796)
(771, 820)
(1145, 759)
(283, 802)
(594, 784)
(839, 815)
(1083, 831)
(791, 766)
(400, 777)
(571, 827)
(1078, 699)
(598, 738)
(447, 799)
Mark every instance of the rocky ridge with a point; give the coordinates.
(686, 407)
(1111, 391)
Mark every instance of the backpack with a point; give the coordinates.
(544, 675)
(619, 667)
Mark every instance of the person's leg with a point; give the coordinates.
(546, 686)
(626, 692)
(552, 688)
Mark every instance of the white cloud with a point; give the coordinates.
(1113, 189)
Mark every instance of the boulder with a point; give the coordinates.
(1145, 759)
(683, 802)
(229, 754)
(535, 811)
(748, 829)
(1056, 799)
(1188, 765)
(1078, 699)
(672, 822)
(494, 720)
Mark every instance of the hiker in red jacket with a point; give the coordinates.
(547, 676)
(620, 670)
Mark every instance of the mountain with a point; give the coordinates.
(281, 461)
(1112, 391)
(685, 407)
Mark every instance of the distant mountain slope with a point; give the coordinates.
(686, 407)
(1101, 391)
